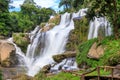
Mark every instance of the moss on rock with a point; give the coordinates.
(22, 40)
(55, 20)
(58, 58)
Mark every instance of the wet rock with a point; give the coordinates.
(58, 58)
(7, 54)
(46, 68)
(95, 51)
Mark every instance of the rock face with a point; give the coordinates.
(79, 34)
(7, 54)
(95, 51)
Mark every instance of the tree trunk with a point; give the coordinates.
(115, 20)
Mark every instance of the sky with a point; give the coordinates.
(43, 3)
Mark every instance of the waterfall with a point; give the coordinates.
(46, 44)
(96, 25)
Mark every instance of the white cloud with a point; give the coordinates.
(43, 3)
(17, 3)
(46, 3)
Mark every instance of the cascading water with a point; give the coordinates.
(46, 44)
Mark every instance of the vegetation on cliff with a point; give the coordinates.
(110, 57)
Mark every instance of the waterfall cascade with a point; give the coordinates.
(46, 44)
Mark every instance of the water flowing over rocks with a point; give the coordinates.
(7, 54)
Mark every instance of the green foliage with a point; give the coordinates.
(5, 26)
(113, 59)
(102, 72)
(23, 21)
(63, 76)
(83, 51)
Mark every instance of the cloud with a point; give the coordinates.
(17, 3)
(43, 3)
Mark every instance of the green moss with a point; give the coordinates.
(22, 40)
(42, 24)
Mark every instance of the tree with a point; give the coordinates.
(5, 26)
(66, 3)
(108, 8)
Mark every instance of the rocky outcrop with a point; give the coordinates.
(95, 51)
(48, 27)
(7, 54)
(51, 23)
(58, 58)
(55, 20)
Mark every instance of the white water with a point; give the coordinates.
(46, 44)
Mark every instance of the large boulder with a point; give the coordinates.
(7, 54)
(95, 51)
(59, 57)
